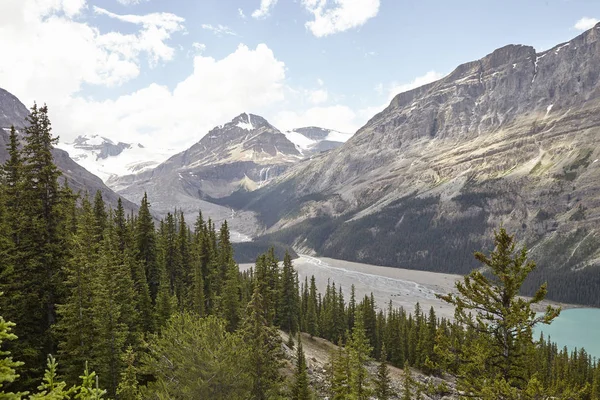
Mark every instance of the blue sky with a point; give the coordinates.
(165, 71)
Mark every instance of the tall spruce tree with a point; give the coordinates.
(494, 362)
(383, 388)
(36, 281)
(301, 389)
(114, 319)
(76, 330)
(339, 371)
(289, 307)
(264, 351)
(145, 236)
(358, 352)
(311, 313)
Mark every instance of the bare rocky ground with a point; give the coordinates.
(318, 351)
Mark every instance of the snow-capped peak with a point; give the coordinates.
(105, 158)
(245, 125)
(312, 139)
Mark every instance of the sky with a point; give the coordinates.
(164, 72)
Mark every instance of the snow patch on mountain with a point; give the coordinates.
(301, 141)
(105, 159)
(335, 136)
(246, 125)
(310, 140)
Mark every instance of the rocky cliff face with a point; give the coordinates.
(13, 113)
(509, 139)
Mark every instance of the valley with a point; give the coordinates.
(403, 287)
(260, 200)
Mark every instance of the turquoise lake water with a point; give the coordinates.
(578, 327)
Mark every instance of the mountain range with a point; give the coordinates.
(244, 154)
(507, 140)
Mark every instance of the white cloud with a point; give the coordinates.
(130, 2)
(241, 13)
(318, 96)
(429, 77)
(157, 29)
(320, 82)
(585, 23)
(216, 91)
(199, 47)
(265, 9)
(219, 30)
(52, 54)
(334, 16)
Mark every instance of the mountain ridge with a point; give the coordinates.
(508, 139)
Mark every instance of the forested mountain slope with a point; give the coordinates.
(509, 139)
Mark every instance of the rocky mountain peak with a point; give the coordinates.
(247, 136)
(250, 122)
(101, 147)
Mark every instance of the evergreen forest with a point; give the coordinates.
(98, 303)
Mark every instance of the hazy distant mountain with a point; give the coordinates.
(313, 140)
(512, 138)
(106, 159)
(13, 112)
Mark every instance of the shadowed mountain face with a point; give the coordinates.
(13, 113)
(512, 138)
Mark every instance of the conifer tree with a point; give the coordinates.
(495, 360)
(301, 390)
(230, 308)
(76, 329)
(304, 305)
(352, 308)
(100, 216)
(166, 303)
(146, 247)
(264, 350)
(339, 385)
(36, 281)
(185, 263)
(358, 352)
(114, 307)
(8, 367)
(383, 388)
(408, 383)
(12, 173)
(128, 388)
(196, 358)
(289, 306)
(311, 315)
(51, 387)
